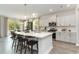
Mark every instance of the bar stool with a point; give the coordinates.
(13, 36)
(31, 42)
(21, 43)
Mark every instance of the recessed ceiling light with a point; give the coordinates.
(25, 17)
(68, 5)
(34, 14)
(50, 10)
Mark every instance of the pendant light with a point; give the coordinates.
(25, 12)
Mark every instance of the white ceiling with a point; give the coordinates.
(18, 10)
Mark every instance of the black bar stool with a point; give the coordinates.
(13, 36)
(31, 42)
(21, 43)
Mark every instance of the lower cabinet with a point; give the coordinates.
(66, 36)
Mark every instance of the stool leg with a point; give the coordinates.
(17, 47)
(37, 48)
(28, 47)
(25, 48)
(21, 48)
(13, 44)
(31, 49)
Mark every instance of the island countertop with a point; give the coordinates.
(35, 34)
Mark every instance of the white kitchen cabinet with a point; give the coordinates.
(66, 36)
(72, 37)
(66, 18)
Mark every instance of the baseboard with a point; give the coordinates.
(66, 42)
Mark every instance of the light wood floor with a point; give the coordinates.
(64, 48)
(59, 47)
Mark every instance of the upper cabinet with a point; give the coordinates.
(66, 18)
(45, 20)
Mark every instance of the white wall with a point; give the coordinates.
(0, 27)
(77, 24)
(3, 26)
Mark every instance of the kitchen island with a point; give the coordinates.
(45, 43)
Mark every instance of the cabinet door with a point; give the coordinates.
(66, 19)
(58, 35)
(72, 37)
(64, 37)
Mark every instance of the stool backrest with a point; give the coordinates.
(19, 37)
(13, 34)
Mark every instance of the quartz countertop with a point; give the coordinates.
(35, 34)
